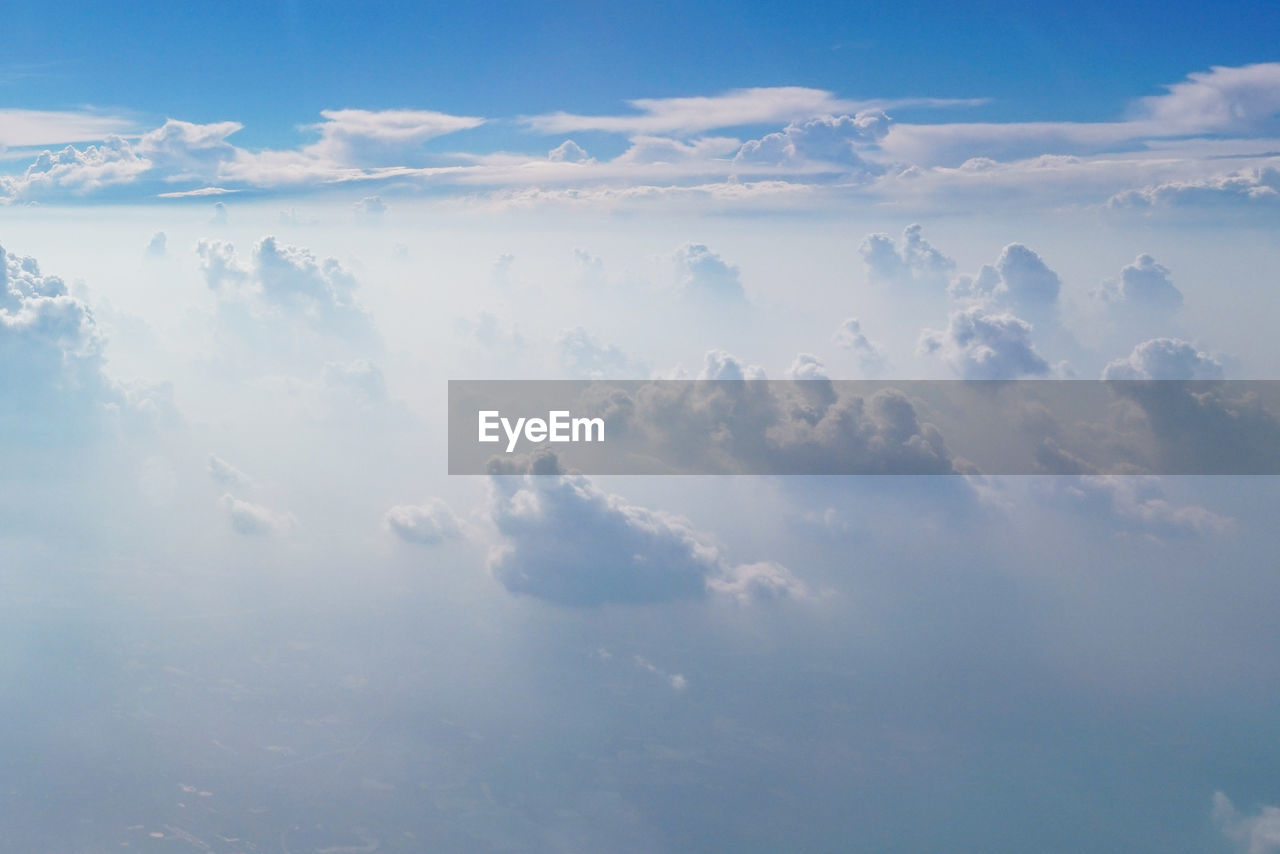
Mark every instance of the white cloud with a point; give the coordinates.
(428, 523)
(52, 379)
(851, 337)
(568, 152)
(1252, 834)
(917, 260)
(1144, 286)
(986, 346)
(1164, 359)
(824, 139)
(761, 105)
(254, 520)
(568, 542)
(226, 475)
(704, 274)
(21, 128)
(1255, 185)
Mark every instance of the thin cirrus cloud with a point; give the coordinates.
(21, 128)
(760, 105)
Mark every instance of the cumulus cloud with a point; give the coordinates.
(1252, 834)
(810, 427)
(428, 523)
(1164, 359)
(979, 345)
(288, 280)
(1197, 420)
(825, 140)
(916, 260)
(52, 381)
(702, 273)
(569, 542)
(1144, 286)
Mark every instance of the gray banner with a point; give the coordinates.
(864, 427)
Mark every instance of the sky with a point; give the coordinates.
(246, 609)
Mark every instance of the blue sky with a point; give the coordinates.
(276, 65)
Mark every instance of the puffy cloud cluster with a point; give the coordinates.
(980, 345)
(51, 360)
(1164, 359)
(1254, 185)
(1145, 286)
(703, 274)
(1020, 280)
(1197, 420)
(916, 260)
(569, 542)
(809, 427)
(287, 280)
(823, 140)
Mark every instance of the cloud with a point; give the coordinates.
(851, 337)
(1256, 185)
(830, 140)
(371, 207)
(758, 582)
(1252, 834)
(226, 475)
(704, 274)
(736, 108)
(158, 245)
(1140, 503)
(986, 346)
(675, 680)
(1242, 101)
(52, 379)
(254, 520)
(428, 523)
(812, 427)
(289, 280)
(690, 115)
(1164, 359)
(22, 128)
(1145, 286)
(354, 136)
(587, 358)
(917, 260)
(569, 542)
(568, 152)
